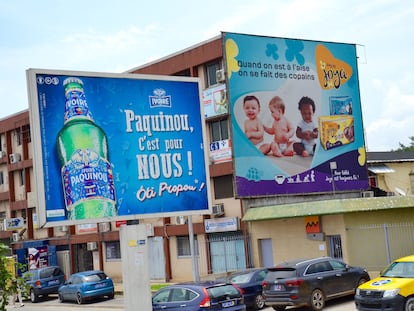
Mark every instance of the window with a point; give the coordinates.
(162, 296)
(183, 246)
(113, 250)
(211, 70)
(219, 130)
(372, 181)
(1, 178)
(337, 265)
(335, 246)
(223, 187)
(26, 134)
(21, 177)
(18, 136)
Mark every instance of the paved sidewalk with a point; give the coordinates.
(119, 288)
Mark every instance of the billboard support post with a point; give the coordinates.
(196, 276)
(135, 267)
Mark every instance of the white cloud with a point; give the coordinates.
(395, 118)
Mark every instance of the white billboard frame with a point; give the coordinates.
(38, 132)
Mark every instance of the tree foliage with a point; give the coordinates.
(403, 147)
(5, 277)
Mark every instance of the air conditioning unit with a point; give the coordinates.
(218, 209)
(367, 194)
(220, 76)
(14, 158)
(104, 227)
(15, 237)
(92, 246)
(181, 220)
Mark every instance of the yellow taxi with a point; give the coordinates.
(393, 290)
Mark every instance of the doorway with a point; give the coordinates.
(266, 253)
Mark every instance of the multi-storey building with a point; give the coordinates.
(240, 233)
(278, 226)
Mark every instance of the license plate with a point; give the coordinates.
(228, 304)
(278, 287)
(54, 282)
(100, 285)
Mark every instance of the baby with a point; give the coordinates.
(253, 127)
(306, 131)
(282, 129)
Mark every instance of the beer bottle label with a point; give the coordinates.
(87, 176)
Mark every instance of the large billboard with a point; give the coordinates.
(296, 116)
(116, 146)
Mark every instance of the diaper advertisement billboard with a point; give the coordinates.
(296, 116)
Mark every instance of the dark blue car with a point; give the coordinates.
(86, 285)
(44, 281)
(250, 282)
(198, 296)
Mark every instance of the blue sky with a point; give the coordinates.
(114, 36)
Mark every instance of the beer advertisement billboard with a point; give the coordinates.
(296, 116)
(116, 146)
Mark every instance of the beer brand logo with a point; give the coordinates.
(332, 72)
(159, 99)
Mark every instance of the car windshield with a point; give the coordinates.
(281, 273)
(239, 278)
(95, 277)
(399, 270)
(223, 291)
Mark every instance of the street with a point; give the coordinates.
(52, 303)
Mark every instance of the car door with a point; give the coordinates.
(346, 277)
(171, 299)
(72, 287)
(180, 298)
(323, 277)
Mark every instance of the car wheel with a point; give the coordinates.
(60, 297)
(279, 308)
(111, 295)
(259, 302)
(409, 304)
(33, 297)
(79, 298)
(317, 300)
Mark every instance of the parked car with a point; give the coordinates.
(310, 282)
(87, 285)
(250, 282)
(197, 296)
(393, 290)
(43, 281)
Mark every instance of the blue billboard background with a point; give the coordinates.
(290, 69)
(131, 110)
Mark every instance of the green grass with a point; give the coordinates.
(155, 287)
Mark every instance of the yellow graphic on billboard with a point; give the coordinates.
(332, 72)
(232, 50)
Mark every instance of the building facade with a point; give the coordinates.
(240, 233)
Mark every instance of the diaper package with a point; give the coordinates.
(336, 130)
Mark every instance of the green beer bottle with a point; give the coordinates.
(87, 178)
